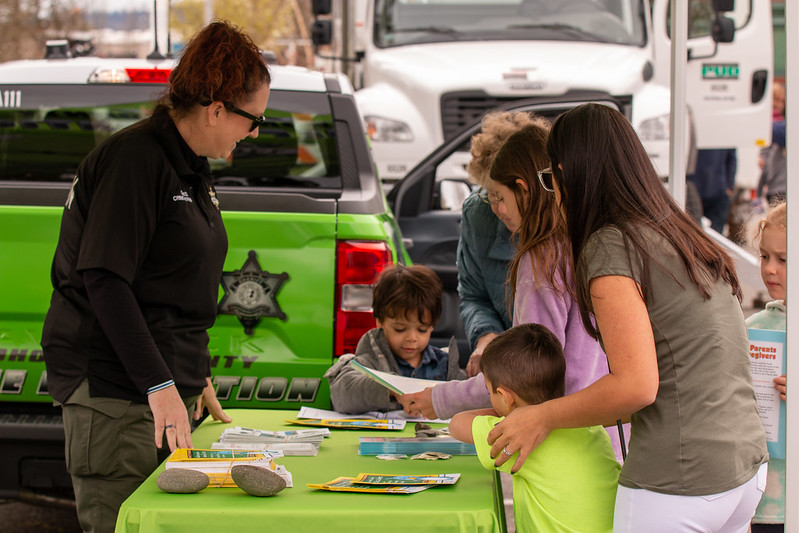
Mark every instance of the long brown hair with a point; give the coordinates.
(542, 232)
(606, 179)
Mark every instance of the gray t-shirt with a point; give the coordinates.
(702, 435)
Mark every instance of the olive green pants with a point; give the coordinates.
(110, 451)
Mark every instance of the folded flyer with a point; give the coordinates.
(351, 423)
(398, 384)
(347, 484)
(405, 479)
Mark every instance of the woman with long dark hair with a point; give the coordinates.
(664, 300)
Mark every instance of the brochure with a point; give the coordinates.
(413, 445)
(398, 384)
(349, 423)
(216, 464)
(312, 412)
(347, 484)
(392, 479)
(767, 361)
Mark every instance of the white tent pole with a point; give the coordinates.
(677, 121)
(792, 337)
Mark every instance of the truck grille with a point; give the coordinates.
(459, 109)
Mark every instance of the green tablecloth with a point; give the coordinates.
(473, 504)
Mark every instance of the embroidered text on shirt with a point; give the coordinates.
(182, 197)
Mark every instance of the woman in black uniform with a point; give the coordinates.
(136, 275)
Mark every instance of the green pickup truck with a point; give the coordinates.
(308, 225)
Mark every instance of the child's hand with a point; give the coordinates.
(781, 384)
(419, 403)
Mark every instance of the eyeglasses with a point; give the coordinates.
(491, 198)
(257, 122)
(545, 179)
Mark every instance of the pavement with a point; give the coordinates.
(21, 517)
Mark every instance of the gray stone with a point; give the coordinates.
(182, 480)
(256, 480)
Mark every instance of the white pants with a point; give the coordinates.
(639, 510)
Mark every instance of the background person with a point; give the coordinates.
(484, 248)
(772, 241)
(570, 482)
(664, 298)
(714, 178)
(773, 183)
(136, 275)
(407, 305)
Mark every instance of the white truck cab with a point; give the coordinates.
(430, 68)
(426, 69)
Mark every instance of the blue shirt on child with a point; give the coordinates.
(433, 366)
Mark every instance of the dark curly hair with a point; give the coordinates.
(402, 291)
(220, 63)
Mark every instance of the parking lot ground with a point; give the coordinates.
(22, 517)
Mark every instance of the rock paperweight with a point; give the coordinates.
(256, 480)
(182, 481)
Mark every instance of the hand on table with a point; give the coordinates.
(209, 400)
(170, 418)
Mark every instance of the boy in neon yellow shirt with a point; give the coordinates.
(568, 484)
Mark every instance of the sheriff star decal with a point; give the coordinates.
(250, 293)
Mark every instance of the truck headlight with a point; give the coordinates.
(654, 129)
(382, 129)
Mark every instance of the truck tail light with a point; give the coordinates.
(148, 75)
(358, 264)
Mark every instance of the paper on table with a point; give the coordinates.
(312, 412)
(399, 384)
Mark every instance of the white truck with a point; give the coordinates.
(424, 69)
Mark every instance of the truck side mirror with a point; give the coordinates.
(321, 32)
(722, 29)
(320, 7)
(723, 5)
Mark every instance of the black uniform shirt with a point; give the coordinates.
(142, 208)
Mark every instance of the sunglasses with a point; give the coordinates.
(257, 122)
(545, 179)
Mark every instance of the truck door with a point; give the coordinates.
(728, 84)
(426, 204)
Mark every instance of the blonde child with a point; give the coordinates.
(772, 238)
(569, 483)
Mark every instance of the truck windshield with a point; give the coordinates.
(404, 22)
